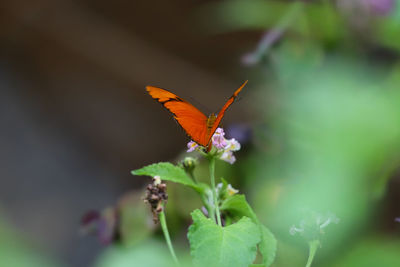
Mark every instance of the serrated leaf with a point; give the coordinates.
(238, 206)
(168, 172)
(231, 246)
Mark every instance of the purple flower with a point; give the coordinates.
(218, 139)
(192, 146)
(381, 7)
(397, 219)
(225, 147)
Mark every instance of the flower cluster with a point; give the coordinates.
(224, 147)
(313, 226)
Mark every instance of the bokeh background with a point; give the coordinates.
(319, 122)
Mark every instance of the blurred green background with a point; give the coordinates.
(319, 122)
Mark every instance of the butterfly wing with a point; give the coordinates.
(192, 120)
(223, 109)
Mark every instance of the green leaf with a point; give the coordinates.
(237, 206)
(231, 246)
(267, 246)
(169, 172)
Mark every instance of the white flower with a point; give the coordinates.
(228, 157)
(232, 191)
(233, 145)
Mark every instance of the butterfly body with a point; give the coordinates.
(197, 125)
(210, 121)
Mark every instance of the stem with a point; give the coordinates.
(214, 191)
(164, 227)
(313, 249)
(209, 209)
(193, 177)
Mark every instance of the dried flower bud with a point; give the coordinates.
(156, 196)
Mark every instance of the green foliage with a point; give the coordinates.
(237, 206)
(318, 20)
(372, 252)
(149, 254)
(387, 29)
(16, 252)
(134, 220)
(231, 246)
(169, 172)
(267, 246)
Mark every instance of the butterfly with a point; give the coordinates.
(198, 126)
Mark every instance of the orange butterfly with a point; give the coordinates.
(197, 125)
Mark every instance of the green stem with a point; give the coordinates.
(209, 209)
(313, 249)
(164, 227)
(193, 177)
(214, 191)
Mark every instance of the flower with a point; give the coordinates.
(397, 219)
(225, 147)
(228, 157)
(232, 145)
(314, 224)
(192, 146)
(218, 140)
(231, 191)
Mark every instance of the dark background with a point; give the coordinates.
(75, 117)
